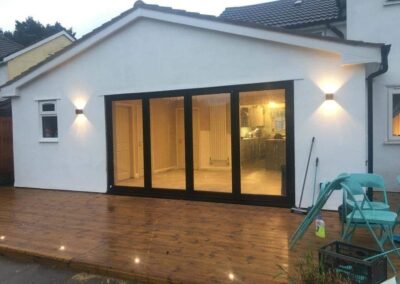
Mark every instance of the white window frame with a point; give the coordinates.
(47, 114)
(391, 92)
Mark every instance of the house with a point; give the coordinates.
(367, 20)
(7, 47)
(14, 60)
(166, 103)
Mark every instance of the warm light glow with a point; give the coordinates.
(137, 260)
(2, 238)
(272, 105)
(231, 276)
(329, 86)
(79, 102)
(330, 107)
(62, 248)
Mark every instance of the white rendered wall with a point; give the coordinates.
(150, 56)
(371, 20)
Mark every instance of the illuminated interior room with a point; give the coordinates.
(261, 142)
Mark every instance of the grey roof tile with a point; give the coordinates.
(8, 47)
(286, 14)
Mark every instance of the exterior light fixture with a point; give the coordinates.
(231, 276)
(62, 248)
(78, 111)
(2, 238)
(329, 97)
(137, 260)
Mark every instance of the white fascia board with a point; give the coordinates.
(39, 43)
(8, 93)
(351, 54)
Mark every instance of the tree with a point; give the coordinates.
(30, 31)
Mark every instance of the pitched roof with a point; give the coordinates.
(141, 5)
(38, 44)
(287, 13)
(8, 47)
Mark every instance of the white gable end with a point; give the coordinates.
(350, 54)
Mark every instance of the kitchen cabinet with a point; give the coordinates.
(275, 154)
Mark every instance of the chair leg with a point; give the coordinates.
(390, 235)
(381, 247)
(345, 231)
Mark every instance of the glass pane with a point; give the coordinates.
(212, 143)
(396, 115)
(128, 143)
(49, 126)
(167, 143)
(48, 107)
(262, 142)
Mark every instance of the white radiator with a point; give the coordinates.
(218, 136)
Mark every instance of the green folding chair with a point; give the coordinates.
(363, 180)
(376, 182)
(369, 218)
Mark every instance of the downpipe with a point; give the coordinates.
(383, 68)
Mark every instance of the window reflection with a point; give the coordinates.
(128, 143)
(212, 143)
(167, 143)
(263, 142)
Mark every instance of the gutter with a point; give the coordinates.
(335, 30)
(383, 68)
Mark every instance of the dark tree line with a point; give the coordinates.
(30, 31)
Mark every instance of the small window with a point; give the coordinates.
(48, 120)
(394, 114)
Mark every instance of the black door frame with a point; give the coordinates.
(189, 193)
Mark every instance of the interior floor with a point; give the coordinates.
(254, 181)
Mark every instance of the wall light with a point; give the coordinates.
(329, 97)
(2, 238)
(78, 111)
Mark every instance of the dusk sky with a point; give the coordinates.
(85, 15)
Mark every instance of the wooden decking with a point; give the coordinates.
(156, 240)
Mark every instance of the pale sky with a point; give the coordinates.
(85, 15)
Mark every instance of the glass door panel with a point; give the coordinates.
(263, 142)
(128, 143)
(167, 143)
(211, 116)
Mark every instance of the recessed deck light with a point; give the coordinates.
(137, 260)
(231, 276)
(2, 238)
(62, 248)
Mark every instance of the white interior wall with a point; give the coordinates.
(151, 55)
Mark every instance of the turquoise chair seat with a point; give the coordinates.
(376, 205)
(374, 217)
